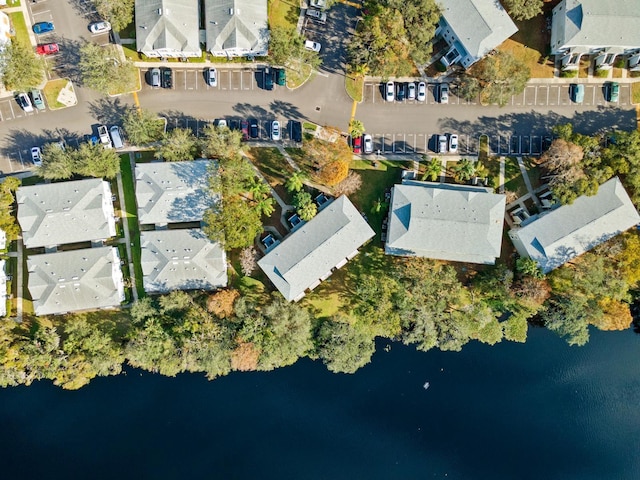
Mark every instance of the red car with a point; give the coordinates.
(47, 49)
(356, 143)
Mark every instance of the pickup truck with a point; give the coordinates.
(103, 133)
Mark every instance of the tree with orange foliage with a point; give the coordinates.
(245, 357)
(221, 302)
(330, 158)
(616, 315)
(333, 173)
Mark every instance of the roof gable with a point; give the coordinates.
(237, 25)
(167, 24)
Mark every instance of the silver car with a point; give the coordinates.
(442, 144)
(422, 92)
(444, 93)
(390, 91)
(411, 91)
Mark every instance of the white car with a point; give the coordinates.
(444, 93)
(25, 102)
(275, 130)
(390, 92)
(100, 27)
(318, 16)
(212, 77)
(105, 139)
(36, 156)
(368, 143)
(319, 4)
(313, 46)
(453, 143)
(221, 122)
(422, 92)
(442, 144)
(411, 91)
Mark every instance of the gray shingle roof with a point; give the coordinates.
(66, 212)
(75, 280)
(481, 25)
(172, 192)
(181, 260)
(570, 230)
(596, 23)
(447, 222)
(237, 26)
(167, 26)
(310, 253)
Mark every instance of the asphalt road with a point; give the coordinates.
(322, 100)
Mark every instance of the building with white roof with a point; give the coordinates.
(237, 27)
(75, 280)
(460, 223)
(53, 214)
(308, 256)
(181, 260)
(571, 230)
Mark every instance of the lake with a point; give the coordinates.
(540, 410)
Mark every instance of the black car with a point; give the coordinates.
(234, 125)
(254, 130)
(296, 130)
(401, 92)
(268, 78)
(166, 78)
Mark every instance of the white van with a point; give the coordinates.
(116, 137)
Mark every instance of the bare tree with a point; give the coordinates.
(248, 261)
(349, 185)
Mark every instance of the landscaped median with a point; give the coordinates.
(131, 213)
(354, 87)
(60, 94)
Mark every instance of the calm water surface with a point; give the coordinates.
(541, 410)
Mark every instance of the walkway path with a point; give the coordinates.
(502, 170)
(527, 182)
(127, 234)
(19, 275)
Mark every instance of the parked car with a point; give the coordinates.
(411, 91)
(166, 78)
(268, 78)
(47, 49)
(368, 143)
(24, 102)
(442, 144)
(116, 137)
(38, 101)
(453, 143)
(103, 134)
(275, 130)
(321, 4)
(356, 144)
(313, 46)
(234, 125)
(296, 130)
(254, 129)
(244, 126)
(281, 77)
(154, 77)
(401, 92)
(43, 27)
(318, 16)
(444, 93)
(221, 123)
(99, 27)
(390, 91)
(36, 156)
(577, 92)
(212, 77)
(614, 91)
(422, 92)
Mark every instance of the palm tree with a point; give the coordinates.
(295, 182)
(356, 128)
(434, 169)
(307, 212)
(361, 70)
(258, 188)
(264, 206)
(464, 170)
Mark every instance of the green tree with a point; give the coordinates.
(177, 145)
(235, 176)
(356, 128)
(295, 182)
(221, 142)
(233, 224)
(343, 347)
(142, 126)
(22, 69)
(95, 161)
(433, 170)
(305, 208)
(7, 207)
(523, 9)
(119, 13)
(469, 88)
(265, 206)
(464, 170)
(103, 69)
(57, 164)
(501, 75)
(527, 266)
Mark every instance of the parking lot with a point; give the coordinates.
(187, 79)
(533, 95)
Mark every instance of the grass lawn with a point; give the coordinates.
(145, 156)
(52, 90)
(283, 13)
(355, 87)
(129, 31)
(531, 46)
(513, 181)
(298, 73)
(271, 164)
(20, 27)
(131, 214)
(534, 171)
(483, 154)
(635, 92)
(492, 165)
